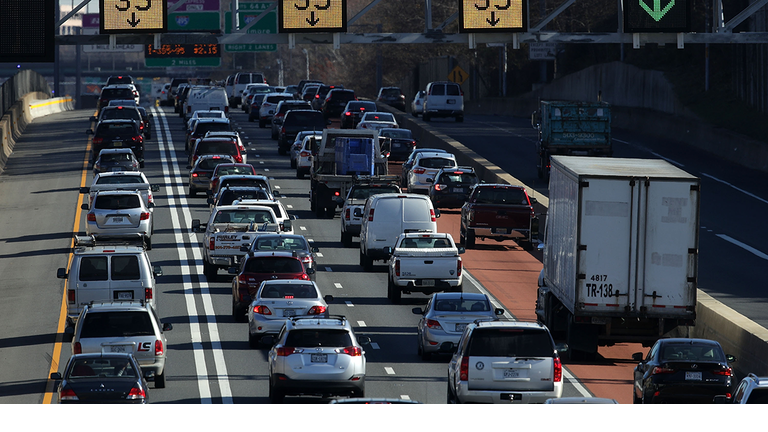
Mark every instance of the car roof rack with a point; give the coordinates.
(141, 302)
(110, 240)
(341, 318)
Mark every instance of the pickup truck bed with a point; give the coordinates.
(425, 263)
(500, 212)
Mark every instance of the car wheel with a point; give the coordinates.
(262, 124)
(192, 193)
(330, 212)
(209, 270)
(346, 239)
(459, 119)
(415, 114)
(141, 164)
(526, 245)
(390, 289)
(275, 396)
(238, 313)
(469, 241)
(396, 293)
(253, 341)
(274, 135)
(148, 242)
(293, 163)
(281, 150)
(250, 119)
(160, 380)
(458, 288)
(635, 399)
(299, 173)
(426, 117)
(451, 399)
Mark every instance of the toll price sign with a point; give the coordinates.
(657, 16)
(493, 16)
(182, 51)
(312, 16)
(133, 16)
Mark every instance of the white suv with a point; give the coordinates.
(316, 356)
(505, 362)
(443, 99)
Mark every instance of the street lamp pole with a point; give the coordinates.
(280, 76)
(306, 53)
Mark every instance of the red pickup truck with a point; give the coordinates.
(500, 212)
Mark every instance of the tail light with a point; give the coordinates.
(346, 213)
(71, 296)
(347, 113)
(432, 215)
(316, 310)
(144, 216)
(239, 159)
(282, 130)
(212, 244)
(194, 174)
(305, 154)
(226, 109)
(724, 372)
(91, 217)
(136, 393)
(148, 294)
(261, 310)
(141, 126)
(397, 267)
(158, 347)
(285, 351)
(558, 370)
(306, 259)
(439, 187)
(242, 280)
(458, 267)
(661, 370)
(336, 193)
(353, 351)
(434, 325)
(317, 96)
(303, 276)
(97, 140)
(68, 394)
(419, 170)
(413, 143)
(150, 198)
(370, 215)
(464, 369)
(78, 349)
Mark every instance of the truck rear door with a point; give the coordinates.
(91, 279)
(125, 277)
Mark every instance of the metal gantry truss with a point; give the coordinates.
(722, 33)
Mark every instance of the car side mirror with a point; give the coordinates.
(275, 193)
(268, 340)
(310, 271)
(93, 118)
(430, 180)
(533, 200)
(189, 167)
(638, 357)
(154, 187)
(358, 212)
(314, 249)
(210, 201)
(730, 358)
(150, 115)
(328, 298)
(388, 250)
(287, 225)
(561, 347)
(329, 121)
(85, 190)
(233, 270)
(151, 205)
(417, 311)
(461, 249)
(363, 340)
(540, 246)
(61, 273)
(56, 376)
(85, 206)
(89, 132)
(196, 225)
(437, 213)
(244, 248)
(167, 327)
(339, 200)
(157, 271)
(498, 311)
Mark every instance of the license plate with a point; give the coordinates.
(319, 358)
(451, 101)
(119, 348)
(693, 376)
(395, 144)
(117, 168)
(124, 295)
(511, 396)
(118, 219)
(428, 282)
(501, 230)
(117, 144)
(289, 312)
(460, 327)
(511, 373)
(457, 190)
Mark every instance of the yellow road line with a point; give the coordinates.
(52, 102)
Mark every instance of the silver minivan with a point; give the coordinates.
(386, 216)
(443, 99)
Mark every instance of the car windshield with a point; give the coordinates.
(436, 162)
(397, 133)
(116, 324)
(363, 192)
(243, 216)
(288, 291)
(462, 305)
(102, 368)
(280, 243)
(318, 338)
(501, 196)
(495, 342)
(116, 202)
(273, 264)
(688, 352)
(121, 179)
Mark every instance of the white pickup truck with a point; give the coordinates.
(424, 262)
(231, 227)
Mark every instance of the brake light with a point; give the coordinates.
(226, 109)
(336, 193)
(397, 267)
(304, 154)
(432, 215)
(661, 370)
(91, 217)
(285, 351)
(317, 96)
(239, 159)
(68, 394)
(158, 347)
(194, 174)
(419, 170)
(136, 393)
(262, 310)
(71, 296)
(459, 265)
(282, 130)
(724, 372)
(353, 351)
(144, 216)
(316, 310)
(370, 215)
(439, 187)
(212, 244)
(78, 349)
(558, 370)
(97, 140)
(347, 113)
(346, 214)
(434, 325)
(464, 369)
(303, 276)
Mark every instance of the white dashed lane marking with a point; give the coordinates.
(338, 285)
(361, 324)
(303, 228)
(389, 370)
(349, 304)
(374, 345)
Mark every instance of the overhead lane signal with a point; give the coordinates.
(312, 16)
(133, 16)
(657, 16)
(500, 16)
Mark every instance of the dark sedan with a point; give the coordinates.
(101, 378)
(354, 111)
(401, 143)
(682, 370)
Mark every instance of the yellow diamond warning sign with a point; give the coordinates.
(133, 16)
(458, 75)
(492, 16)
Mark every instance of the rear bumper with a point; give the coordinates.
(448, 200)
(504, 396)
(318, 387)
(502, 232)
(444, 113)
(415, 285)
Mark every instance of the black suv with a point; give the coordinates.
(353, 112)
(121, 79)
(296, 121)
(283, 107)
(392, 96)
(400, 142)
(319, 98)
(117, 134)
(451, 187)
(336, 100)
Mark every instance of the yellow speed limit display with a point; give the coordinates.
(478, 16)
(133, 16)
(308, 16)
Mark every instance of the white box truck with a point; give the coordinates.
(620, 252)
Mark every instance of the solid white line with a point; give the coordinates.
(743, 246)
(337, 285)
(738, 189)
(389, 370)
(361, 324)
(349, 304)
(374, 345)
(576, 384)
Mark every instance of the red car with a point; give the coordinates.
(257, 267)
(229, 169)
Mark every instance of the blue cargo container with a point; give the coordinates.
(355, 156)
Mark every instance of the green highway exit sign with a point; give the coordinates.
(249, 11)
(657, 16)
(249, 47)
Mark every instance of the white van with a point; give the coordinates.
(206, 99)
(241, 80)
(388, 215)
(443, 99)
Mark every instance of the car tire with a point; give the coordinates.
(426, 117)
(415, 114)
(451, 399)
(275, 396)
(238, 313)
(281, 150)
(365, 262)
(254, 341)
(293, 163)
(390, 289)
(210, 271)
(636, 400)
(192, 193)
(458, 288)
(274, 136)
(160, 380)
(299, 173)
(470, 239)
(346, 239)
(141, 164)
(250, 119)
(396, 294)
(459, 119)
(526, 245)
(262, 124)
(148, 242)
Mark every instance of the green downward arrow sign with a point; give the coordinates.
(657, 13)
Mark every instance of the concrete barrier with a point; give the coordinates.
(738, 335)
(26, 109)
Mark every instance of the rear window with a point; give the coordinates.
(758, 396)
(303, 291)
(116, 324)
(284, 108)
(318, 338)
(462, 305)
(382, 117)
(228, 197)
(436, 162)
(93, 268)
(202, 127)
(490, 342)
(280, 243)
(305, 118)
(501, 196)
(397, 133)
(390, 92)
(115, 157)
(125, 267)
(111, 114)
(425, 243)
(244, 182)
(244, 79)
(458, 178)
(120, 80)
(204, 114)
(116, 202)
(415, 210)
(217, 147)
(363, 192)
(361, 106)
(210, 164)
(273, 265)
(116, 129)
(121, 93)
(452, 90)
(688, 352)
(102, 367)
(343, 95)
(437, 90)
(243, 216)
(231, 170)
(276, 99)
(120, 180)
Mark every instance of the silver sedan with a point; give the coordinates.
(446, 315)
(278, 300)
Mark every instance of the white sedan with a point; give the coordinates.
(377, 120)
(417, 106)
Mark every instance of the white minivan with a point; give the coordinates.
(443, 99)
(206, 99)
(386, 216)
